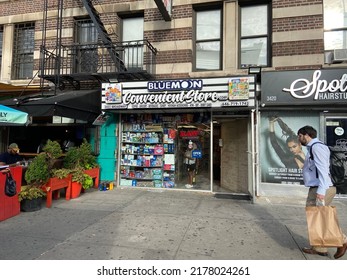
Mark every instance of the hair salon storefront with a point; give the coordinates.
(184, 134)
(290, 100)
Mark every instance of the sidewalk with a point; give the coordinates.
(129, 224)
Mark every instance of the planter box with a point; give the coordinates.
(53, 187)
(95, 174)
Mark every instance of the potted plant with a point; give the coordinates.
(39, 176)
(83, 165)
(36, 175)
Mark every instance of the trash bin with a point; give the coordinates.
(10, 206)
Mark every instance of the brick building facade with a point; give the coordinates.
(203, 40)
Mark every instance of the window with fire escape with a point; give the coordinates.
(208, 38)
(23, 51)
(255, 33)
(86, 46)
(132, 37)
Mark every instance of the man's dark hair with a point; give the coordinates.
(308, 130)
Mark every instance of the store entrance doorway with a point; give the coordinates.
(230, 158)
(336, 139)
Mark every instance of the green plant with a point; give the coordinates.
(38, 173)
(30, 193)
(40, 170)
(81, 156)
(53, 149)
(61, 173)
(79, 159)
(79, 176)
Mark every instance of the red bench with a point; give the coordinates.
(53, 187)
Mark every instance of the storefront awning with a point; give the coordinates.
(9, 90)
(10, 116)
(78, 104)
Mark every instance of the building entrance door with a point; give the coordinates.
(336, 139)
(230, 143)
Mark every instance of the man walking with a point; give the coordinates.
(317, 178)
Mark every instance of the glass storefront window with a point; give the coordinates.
(281, 154)
(165, 151)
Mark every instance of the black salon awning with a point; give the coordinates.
(76, 104)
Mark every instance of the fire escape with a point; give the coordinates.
(103, 61)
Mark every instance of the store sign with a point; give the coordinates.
(189, 133)
(206, 93)
(304, 87)
(174, 85)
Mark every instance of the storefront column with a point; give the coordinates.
(108, 149)
(7, 53)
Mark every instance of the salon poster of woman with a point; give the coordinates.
(281, 154)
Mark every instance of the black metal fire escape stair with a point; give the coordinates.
(94, 15)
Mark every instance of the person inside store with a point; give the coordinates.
(11, 156)
(41, 146)
(296, 157)
(320, 187)
(190, 164)
(68, 144)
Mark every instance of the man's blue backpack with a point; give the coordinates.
(337, 165)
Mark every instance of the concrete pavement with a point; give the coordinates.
(129, 224)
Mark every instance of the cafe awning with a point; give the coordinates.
(10, 116)
(77, 104)
(10, 90)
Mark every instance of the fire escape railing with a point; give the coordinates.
(137, 60)
(103, 35)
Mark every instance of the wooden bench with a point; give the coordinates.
(53, 186)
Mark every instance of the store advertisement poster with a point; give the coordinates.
(281, 154)
(238, 88)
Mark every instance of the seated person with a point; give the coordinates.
(11, 156)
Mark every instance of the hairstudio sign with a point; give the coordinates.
(318, 88)
(313, 87)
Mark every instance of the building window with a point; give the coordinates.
(132, 37)
(254, 43)
(335, 28)
(1, 40)
(86, 54)
(208, 40)
(23, 51)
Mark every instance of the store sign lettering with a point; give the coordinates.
(319, 89)
(165, 97)
(174, 85)
(189, 133)
(3, 114)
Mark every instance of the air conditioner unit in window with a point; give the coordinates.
(340, 54)
(328, 57)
